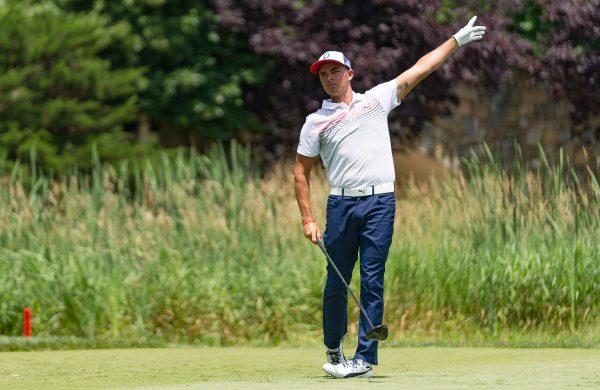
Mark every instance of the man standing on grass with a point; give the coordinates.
(350, 133)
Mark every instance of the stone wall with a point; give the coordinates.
(524, 114)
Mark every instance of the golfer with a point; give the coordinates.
(350, 133)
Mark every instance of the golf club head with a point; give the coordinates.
(378, 333)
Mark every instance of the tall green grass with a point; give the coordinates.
(499, 249)
(200, 248)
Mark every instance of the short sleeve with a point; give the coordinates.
(309, 144)
(387, 94)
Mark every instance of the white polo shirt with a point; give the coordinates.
(353, 141)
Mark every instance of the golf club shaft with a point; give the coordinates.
(320, 244)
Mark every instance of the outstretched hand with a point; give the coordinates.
(469, 33)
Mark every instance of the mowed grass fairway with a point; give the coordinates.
(298, 368)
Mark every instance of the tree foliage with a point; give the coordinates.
(197, 70)
(77, 72)
(571, 51)
(382, 38)
(56, 94)
(531, 41)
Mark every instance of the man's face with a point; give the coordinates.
(335, 78)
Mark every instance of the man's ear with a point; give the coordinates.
(350, 74)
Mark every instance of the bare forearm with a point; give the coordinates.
(432, 60)
(302, 169)
(425, 66)
(302, 188)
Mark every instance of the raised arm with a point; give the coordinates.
(432, 60)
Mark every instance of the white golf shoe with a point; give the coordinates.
(355, 368)
(335, 357)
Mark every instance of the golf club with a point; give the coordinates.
(379, 332)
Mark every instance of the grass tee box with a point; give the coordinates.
(298, 368)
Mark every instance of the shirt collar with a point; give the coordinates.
(329, 105)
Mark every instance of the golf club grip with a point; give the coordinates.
(324, 250)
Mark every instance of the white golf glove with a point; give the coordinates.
(469, 33)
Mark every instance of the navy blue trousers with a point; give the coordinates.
(356, 225)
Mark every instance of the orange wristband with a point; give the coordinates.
(308, 220)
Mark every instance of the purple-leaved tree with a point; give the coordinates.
(528, 41)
